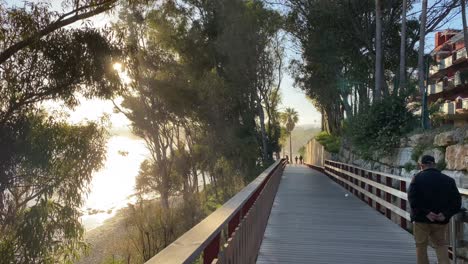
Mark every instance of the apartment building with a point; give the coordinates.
(448, 78)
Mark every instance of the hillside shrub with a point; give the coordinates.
(378, 130)
(331, 143)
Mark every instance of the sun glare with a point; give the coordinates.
(120, 69)
(118, 66)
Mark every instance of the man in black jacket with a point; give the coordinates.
(434, 199)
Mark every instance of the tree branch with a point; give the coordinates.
(60, 23)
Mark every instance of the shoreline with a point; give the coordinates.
(103, 238)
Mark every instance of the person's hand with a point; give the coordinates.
(432, 216)
(440, 217)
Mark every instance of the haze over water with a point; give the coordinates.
(112, 187)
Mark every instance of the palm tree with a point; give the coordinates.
(289, 118)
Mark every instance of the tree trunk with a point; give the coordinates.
(378, 51)
(101, 7)
(204, 181)
(422, 34)
(465, 31)
(402, 73)
(195, 179)
(322, 123)
(421, 71)
(355, 101)
(348, 108)
(165, 200)
(261, 115)
(290, 146)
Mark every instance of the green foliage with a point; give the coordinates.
(113, 260)
(338, 55)
(56, 162)
(435, 113)
(418, 151)
(202, 73)
(211, 199)
(331, 143)
(148, 225)
(301, 151)
(46, 164)
(378, 130)
(409, 166)
(289, 118)
(441, 165)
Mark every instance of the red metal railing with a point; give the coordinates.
(387, 193)
(234, 232)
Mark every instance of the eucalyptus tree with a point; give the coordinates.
(39, 20)
(46, 164)
(194, 99)
(268, 81)
(421, 61)
(378, 51)
(402, 71)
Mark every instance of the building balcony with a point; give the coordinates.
(442, 64)
(455, 112)
(445, 85)
(435, 88)
(448, 108)
(460, 54)
(455, 62)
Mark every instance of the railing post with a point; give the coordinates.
(356, 182)
(342, 175)
(388, 196)
(453, 238)
(233, 224)
(369, 187)
(403, 221)
(363, 184)
(212, 250)
(379, 193)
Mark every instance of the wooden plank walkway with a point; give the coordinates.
(313, 221)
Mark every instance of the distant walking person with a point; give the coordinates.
(296, 159)
(300, 159)
(287, 159)
(434, 199)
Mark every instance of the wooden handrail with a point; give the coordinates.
(206, 235)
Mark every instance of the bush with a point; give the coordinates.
(418, 151)
(441, 165)
(435, 113)
(409, 166)
(331, 143)
(378, 131)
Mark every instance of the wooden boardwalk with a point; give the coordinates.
(313, 220)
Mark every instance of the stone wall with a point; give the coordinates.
(449, 148)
